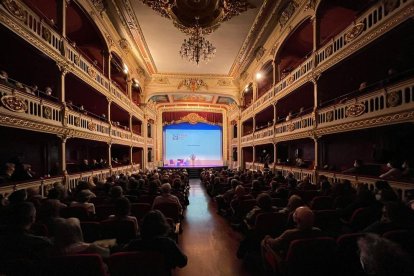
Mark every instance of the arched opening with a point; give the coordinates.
(84, 34)
(248, 95)
(265, 82)
(295, 49)
(119, 72)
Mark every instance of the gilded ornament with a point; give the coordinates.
(328, 50)
(291, 127)
(192, 84)
(355, 110)
(46, 34)
(329, 116)
(47, 112)
(15, 9)
(76, 59)
(354, 32)
(223, 82)
(91, 72)
(91, 126)
(77, 121)
(290, 80)
(393, 99)
(303, 69)
(14, 103)
(287, 13)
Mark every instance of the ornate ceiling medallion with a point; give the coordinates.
(193, 84)
(210, 12)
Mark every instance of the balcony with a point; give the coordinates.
(51, 43)
(294, 126)
(371, 25)
(247, 138)
(265, 133)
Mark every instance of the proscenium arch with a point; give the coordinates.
(148, 97)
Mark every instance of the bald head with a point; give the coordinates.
(304, 218)
(166, 188)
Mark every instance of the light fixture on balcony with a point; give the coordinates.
(125, 69)
(259, 76)
(197, 48)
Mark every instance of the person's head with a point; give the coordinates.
(304, 218)
(122, 207)
(240, 190)
(274, 185)
(256, 185)
(264, 201)
(357, 163)
(381, 257)
(84, 196)
(67, 232)
(294, 202)
(154, 224)
(166, 188)
(116, 192)
(22, 215)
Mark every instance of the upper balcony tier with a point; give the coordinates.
(23, 110)
(31, 27)
(371, 25)
(392, 105)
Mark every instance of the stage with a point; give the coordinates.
(193, 167)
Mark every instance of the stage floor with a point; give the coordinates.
(193, 167)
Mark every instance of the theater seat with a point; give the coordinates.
(347, 254)
(311, 257)
(91, 231)
(272, 224)
(76, 212)
(137, 263)
(78, 265)
(321, 203)
(139, 210)
(121, 230)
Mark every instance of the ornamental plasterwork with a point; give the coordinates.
(192, 118)
(259, 53)
(14, 103)
(354, 32)
(123, 43)
(224, 82)
(161, 80)
(99, 5)
(310, 5)
(192, 84)
(287, 13)
(15, 9)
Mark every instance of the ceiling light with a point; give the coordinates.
(259, 76)
(197, 48)
(135, 83)
(125, 69)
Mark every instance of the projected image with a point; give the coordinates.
(192, 145)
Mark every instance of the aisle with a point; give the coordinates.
(208, 240)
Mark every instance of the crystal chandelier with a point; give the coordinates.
(197, 48)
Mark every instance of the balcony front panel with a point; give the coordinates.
(264, 134)
(247, 138)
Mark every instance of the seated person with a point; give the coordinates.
(299, 162)
(154, 232)
(123, 211)
(304, 219)
(16, 242)
(393, 171)
(69, 239)
(264, 205)
(357, 168)
(82, 200)
(407, 170)
(167, 197)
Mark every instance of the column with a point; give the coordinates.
(108, 65)
(255, 89)
(129, 88)
(274, 72)
(316, 36)
(109, 155)
(109, 111)
(316, 162)
(130, 124)
(315, 101)
(274, 156)
(144, 135)
(254, 124)
(254, 154)
(63, 71)
(62, 153)
(61, 16)
(274, 115)
(130, 155)
(239, 149)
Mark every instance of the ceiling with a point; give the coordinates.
(163, 41)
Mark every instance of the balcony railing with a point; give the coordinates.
(298, 173)
(302, 123)
(397, 98)
(368, 21)
(247, 138)
(80, 121)
(120, 133)
(264, 133)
